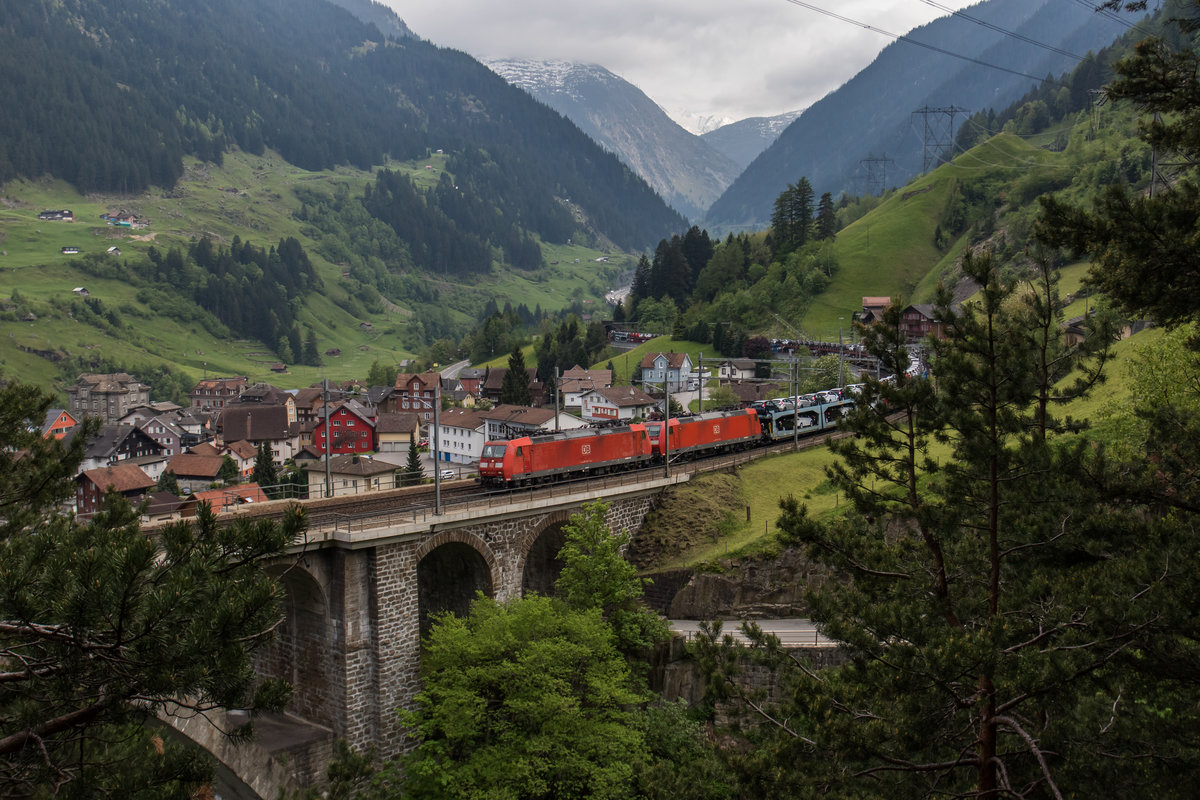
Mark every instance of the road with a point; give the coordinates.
(797, 632)
(453, 370)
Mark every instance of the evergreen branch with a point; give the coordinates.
(1012, 725)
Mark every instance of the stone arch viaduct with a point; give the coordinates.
(359, 597)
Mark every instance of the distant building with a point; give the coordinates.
(128, 480)
(108, 396)
(214, 393)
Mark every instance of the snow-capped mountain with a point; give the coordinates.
(685, 170)
(743, 140)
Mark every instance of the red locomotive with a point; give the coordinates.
(555, 456)
(716, 431)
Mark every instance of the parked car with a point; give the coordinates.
(448, 474)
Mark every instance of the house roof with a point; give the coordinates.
(123, 478)
(109, 382)
(462, 418)
(519, 415)
(750, 392)
(232, 495)
(242, 449)
(350, 406)
(924, 309)
(204, 449)
(220, 384)
(358, 465)
(741, 363)
(377, 394)
(110, 438)
(52, 417)
(309, 397)
(254, 423)
(397, 423)
(674, 360)
(190, 465)
(427, 380)
(264, 394)
(876, 302)
(625, 396)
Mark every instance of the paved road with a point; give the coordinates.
(453, 370)
(796, 632)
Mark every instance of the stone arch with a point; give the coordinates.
(540, 565)
(451, 567)
(302, 652)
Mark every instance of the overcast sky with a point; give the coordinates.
(728, 59)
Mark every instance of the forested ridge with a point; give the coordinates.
(110, 96)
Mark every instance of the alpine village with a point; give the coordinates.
(379, 422)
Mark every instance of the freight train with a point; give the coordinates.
(589, 451)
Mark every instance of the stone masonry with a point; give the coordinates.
(350, 640)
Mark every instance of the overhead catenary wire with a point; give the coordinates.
(1005, 31)
(909, 40)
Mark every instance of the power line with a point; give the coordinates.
(1004, 31)
(934, 48)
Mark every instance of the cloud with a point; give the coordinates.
(695, 58)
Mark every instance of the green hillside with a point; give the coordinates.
(253, 198)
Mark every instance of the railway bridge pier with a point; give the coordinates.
(359, 594)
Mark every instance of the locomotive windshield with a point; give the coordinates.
(653, 429)
(493, 451)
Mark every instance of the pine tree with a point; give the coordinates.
(515, 388)
(265, 473)
(996, 603)
(161, 624)
(413, 472)
(826, 218)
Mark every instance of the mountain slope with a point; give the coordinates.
(110, 94)
(872, 114)
(743, 140)
(687, 172)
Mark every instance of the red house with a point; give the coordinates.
(125, 479)
(58, 421)
(352, 430)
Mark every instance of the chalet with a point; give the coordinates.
(80, 291)
(60, 215)
(872, 310)
(212, 393)
(917, 322)
(161, 507)
(114, 443)
(168, 435)
(70, 250)
(350, 429)
(127, 480)
(57, 422)
(616, 404)
(351, 474)
(666, 369)
(108, 396)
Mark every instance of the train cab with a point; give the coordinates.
(501, 460)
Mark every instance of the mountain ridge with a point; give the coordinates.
(685, 170)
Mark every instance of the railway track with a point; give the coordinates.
(418, 502)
